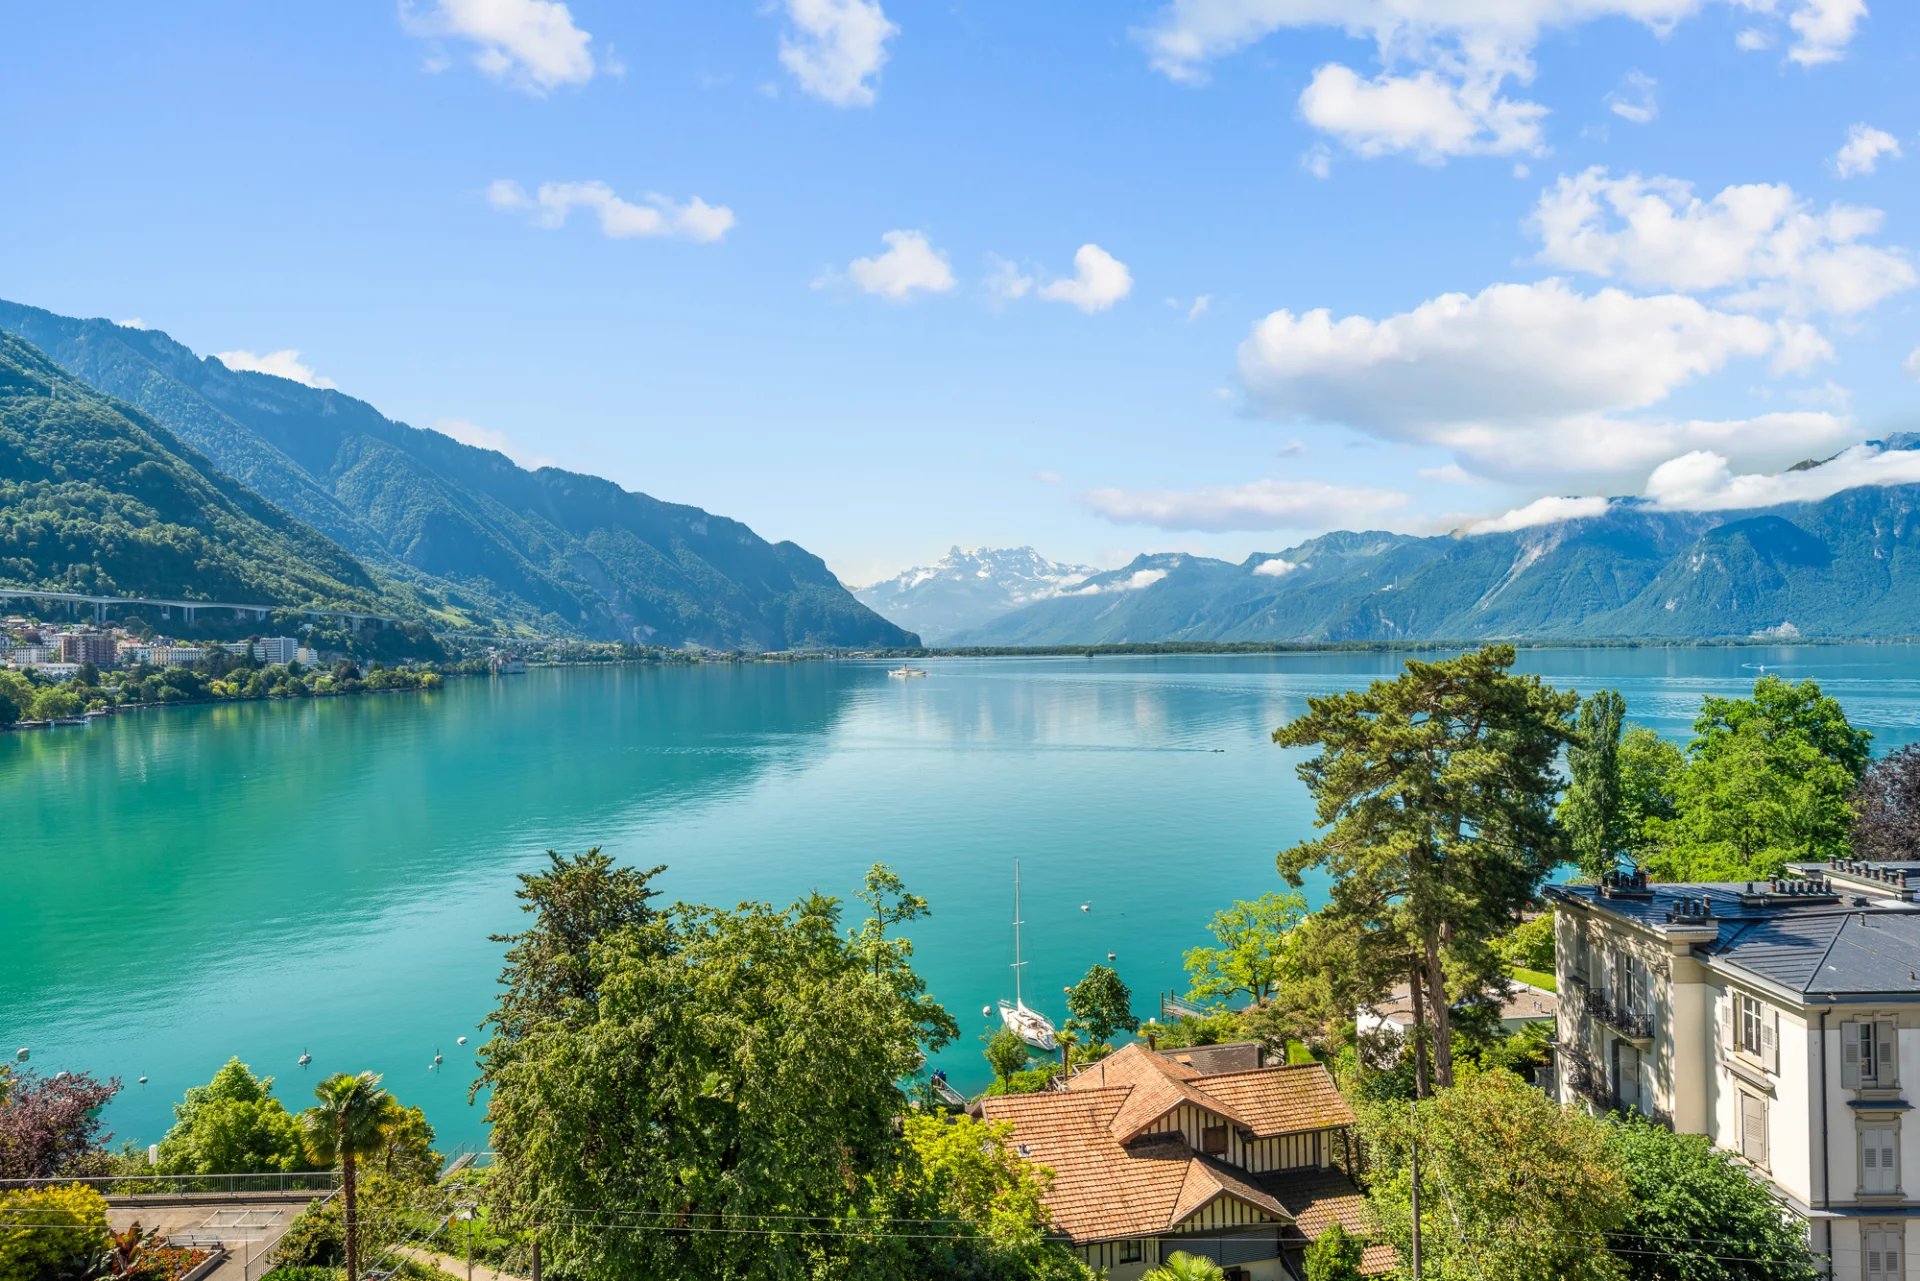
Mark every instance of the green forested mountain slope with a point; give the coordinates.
(96, 497)
(487, 543)
(1848, 565)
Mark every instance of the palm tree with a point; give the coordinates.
(1181, 1266)
(349, 1123)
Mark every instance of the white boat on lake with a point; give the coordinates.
(906, 673)
(1023, 1021)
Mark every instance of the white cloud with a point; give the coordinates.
(1541, 511)
(1823, 28)
(1759, 239)
(1634, 99)
(1752, 40)
(1257, 505)
(532, 45)
(1099, 281)
(1318, 161)
(1526, 381)
(469, 433)
(1864, 147)
(1706, 481)
(1443, 62)
(620, 219)
(1007, 280)
(1131, 583)
(1199, 308)
(1450, 474)
(1276, 567)
(909, 264)
(835, 48)
(285, 363)
(1047, 477)
(1427, 115)
(1911, 365)
(133, 322)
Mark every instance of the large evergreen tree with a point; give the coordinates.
(1591, 813)
(1434, 793)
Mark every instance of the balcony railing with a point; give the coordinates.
(1628, 1019)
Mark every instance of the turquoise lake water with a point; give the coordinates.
(262, 879)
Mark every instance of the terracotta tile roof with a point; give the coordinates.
(1112, 1181)
(1281, 1100)
(1318, 1199)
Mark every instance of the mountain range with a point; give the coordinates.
(97, 498)
(966, 588)
(1845, 565)
(459, 536)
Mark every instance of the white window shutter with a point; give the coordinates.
(1886, 1051)
(1730, 1011)
(1850, 1056)
(1770, 1040)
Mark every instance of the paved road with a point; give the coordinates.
(247, 1224)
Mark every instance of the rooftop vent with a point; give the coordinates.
(1629, 884)
(1694, 909)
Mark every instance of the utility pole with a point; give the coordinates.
(1413, 1166)
(536, 1259)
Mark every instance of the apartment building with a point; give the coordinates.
(1773, 1017)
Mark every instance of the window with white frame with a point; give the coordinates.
(1748, 1029)
(1880, 1157)
(1880, 1251)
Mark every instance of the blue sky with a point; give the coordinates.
(819, 264)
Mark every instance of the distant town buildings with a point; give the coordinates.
(26, 644)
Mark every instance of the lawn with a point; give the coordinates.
(1538, 978)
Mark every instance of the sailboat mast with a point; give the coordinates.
(1018, 1001)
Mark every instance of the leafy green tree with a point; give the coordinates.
(406, 1153)
(1250, 949)
(1435, 795)
(1768, 779)
(231, 1125)
(1334, 1256)
(575, 901)
(344, 1126)
(1102, 1004)
(1006, 1053)
(1697, 1216)
(1513, 1187)
(964, 1175)
(1591, 813)
(1529, 944)
(732, 1067)
(1650, 769)
(56, 701)
(1181, 1266)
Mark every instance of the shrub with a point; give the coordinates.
(51, 1232)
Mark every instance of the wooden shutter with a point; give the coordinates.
(1882, 1250)
(1770, 1040)
(1753, 1129)
(1730, 1020)
(1879, 1159)
(1886, 1053)
(1850, 1056)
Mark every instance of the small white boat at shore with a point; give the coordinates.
(907, 673)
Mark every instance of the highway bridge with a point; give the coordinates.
(355, 619)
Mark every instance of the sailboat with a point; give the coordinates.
(1029, 1025)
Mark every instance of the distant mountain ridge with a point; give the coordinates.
(97, 498)
(471, 539)
(1843, 566)
(967, 588)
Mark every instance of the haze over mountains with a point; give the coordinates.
(457, 535)
(1843, 565)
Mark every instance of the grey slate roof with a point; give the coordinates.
(1856, 947)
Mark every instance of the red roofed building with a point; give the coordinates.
(1150, 1156)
